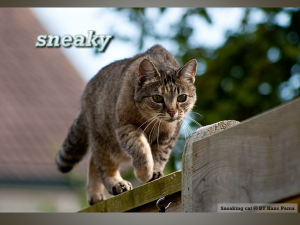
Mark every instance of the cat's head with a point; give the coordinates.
(165, 92)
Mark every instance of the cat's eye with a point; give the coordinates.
(181, 98)
(158, 98)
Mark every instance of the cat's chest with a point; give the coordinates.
(161, 132)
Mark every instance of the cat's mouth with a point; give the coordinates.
(172, 120)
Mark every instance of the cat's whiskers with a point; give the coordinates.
(188, 128)
(153, 119)
(151, 131)
(187, 116)
(143, 124)
(184, 129)
(150, 123)
(158, 134)
(196, 113)
(191, 130)
(181, 116)
(160, 115)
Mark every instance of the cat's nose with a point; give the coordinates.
(172, 113)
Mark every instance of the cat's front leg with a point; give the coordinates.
(133, 141)
(161, 153)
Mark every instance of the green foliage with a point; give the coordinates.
(231, 87)
(256, 69)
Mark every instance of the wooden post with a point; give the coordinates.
(187, 159)
(256, 161)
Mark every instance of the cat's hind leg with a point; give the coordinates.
(95, 186)
(108, 171)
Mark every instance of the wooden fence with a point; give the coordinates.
(255, 161)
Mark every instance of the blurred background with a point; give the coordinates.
(248, 62)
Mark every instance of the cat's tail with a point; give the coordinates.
(74, 147)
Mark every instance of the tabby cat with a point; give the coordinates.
(130, 111)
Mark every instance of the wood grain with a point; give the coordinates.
(139, 196)
(256, 161)
(151, 207)
(187, 159)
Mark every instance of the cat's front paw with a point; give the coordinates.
(93, 199)
(156, 175)
(121, 187)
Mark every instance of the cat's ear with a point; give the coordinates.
(147, 71)
(188, 71)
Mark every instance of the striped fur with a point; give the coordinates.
(120, 122)
(74, 147)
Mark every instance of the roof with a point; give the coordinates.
(39, 98)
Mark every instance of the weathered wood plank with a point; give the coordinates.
(256, 161)
(151, 207)
(139, 196)
(187, 159)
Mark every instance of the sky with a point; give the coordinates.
(75, 21)
(106, 21)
